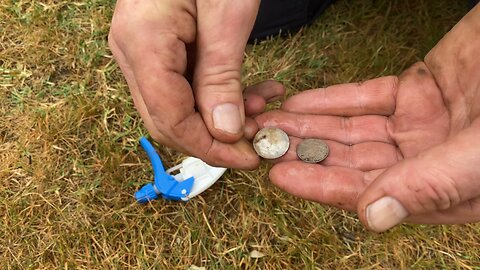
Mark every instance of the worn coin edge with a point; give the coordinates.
(327, 152)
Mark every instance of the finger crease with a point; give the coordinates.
(351, 159)
(346, 126)
(358, 96)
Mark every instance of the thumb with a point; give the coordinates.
(223, 30)
(437, 179)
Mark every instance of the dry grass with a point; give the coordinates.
(70, 160)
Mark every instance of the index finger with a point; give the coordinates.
(347, 130)
(150, 47)
(174, 116)
(376, 96)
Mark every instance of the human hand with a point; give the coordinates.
(182, 62)
(402, 149)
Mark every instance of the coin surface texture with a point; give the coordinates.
(312, 150)
(271, 143)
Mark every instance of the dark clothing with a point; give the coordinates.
(472, 3)
(284, 16)
(287, 16)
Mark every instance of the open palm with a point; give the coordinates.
(405, 137)
(369, 125)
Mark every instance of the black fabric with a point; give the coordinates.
(472, 3)
(284, 16)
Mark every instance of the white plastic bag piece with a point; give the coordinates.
(204, 175)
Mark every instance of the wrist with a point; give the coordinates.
(454, 61)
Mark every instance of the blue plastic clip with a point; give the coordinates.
(164, 184)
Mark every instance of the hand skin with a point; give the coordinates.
(403, 149)
(182, 62)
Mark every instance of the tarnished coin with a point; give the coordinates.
(312, 150)
(271, 142)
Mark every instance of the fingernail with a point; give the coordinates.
(385, 213)
(226, 117)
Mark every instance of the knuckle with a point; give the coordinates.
(219, 74)
(435, 190)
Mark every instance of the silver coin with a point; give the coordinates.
(271, 143)
(312, 150)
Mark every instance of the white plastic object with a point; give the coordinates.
(204, 175)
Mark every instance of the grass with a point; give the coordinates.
(70, 160)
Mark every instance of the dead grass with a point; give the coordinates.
(71, 162)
